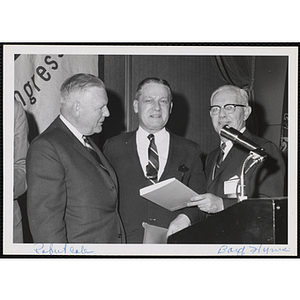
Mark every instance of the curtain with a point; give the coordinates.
(239, 71)
(284, 124)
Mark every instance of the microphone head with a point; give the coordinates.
(237, 137)
(229, 133)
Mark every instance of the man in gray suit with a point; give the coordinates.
(72, 189)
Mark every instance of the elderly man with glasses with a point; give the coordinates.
(229, 106)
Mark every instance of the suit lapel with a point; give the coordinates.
(228, 159)
(71, 138)
(173, 157)
(210, 166)
(81, 149)
(104, 162)
(234, 154)
(132, 154)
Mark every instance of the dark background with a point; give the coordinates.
(192, 79)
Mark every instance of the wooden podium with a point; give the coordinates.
(253, 221)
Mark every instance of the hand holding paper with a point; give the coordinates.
(207, 202)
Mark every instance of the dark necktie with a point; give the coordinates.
(91, 149)
(221, 154)
(220, 158)
(153, 161)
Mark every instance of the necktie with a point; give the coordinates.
(153, 161)
(219, 159)
(221, 154)
(91, 149)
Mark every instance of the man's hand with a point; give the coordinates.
(181, 222)
(207, 202)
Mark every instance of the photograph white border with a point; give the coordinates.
(115, 250)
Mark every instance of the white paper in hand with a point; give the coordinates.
(170, 194)
(154, 234)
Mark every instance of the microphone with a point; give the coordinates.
(237, 137)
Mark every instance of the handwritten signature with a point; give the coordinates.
(225, 249)
(50, 249)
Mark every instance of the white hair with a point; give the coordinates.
(243, 95)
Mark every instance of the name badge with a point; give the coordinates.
(231, 187)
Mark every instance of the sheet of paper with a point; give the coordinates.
(154, 234)
(170, 194)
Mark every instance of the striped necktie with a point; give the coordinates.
(153, 161)
(91, 149)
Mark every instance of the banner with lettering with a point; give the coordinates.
(37, 83)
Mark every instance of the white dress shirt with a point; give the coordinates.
(73, 129)
(162, 141)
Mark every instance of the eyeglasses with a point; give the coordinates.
(229, 108)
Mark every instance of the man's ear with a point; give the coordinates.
(136, 106)
(247, 113)
(76, 108)
(171, 107)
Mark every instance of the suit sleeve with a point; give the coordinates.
(20, 150)
(268, 178)
(46, 195)
(197, 182)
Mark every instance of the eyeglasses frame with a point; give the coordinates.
(234, 105)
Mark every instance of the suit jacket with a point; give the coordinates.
(122, 153)
(265, 179)
(70, 198)
(20, 151)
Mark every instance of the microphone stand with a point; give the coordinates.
(257, 158)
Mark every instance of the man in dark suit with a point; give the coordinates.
(176, 156)
(72, 189)
(229, 106)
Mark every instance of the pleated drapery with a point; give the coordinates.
(239, 71)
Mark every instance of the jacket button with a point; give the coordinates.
(112, 188)
(119, 235)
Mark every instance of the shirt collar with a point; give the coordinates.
(160, 135)
(72, 129)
